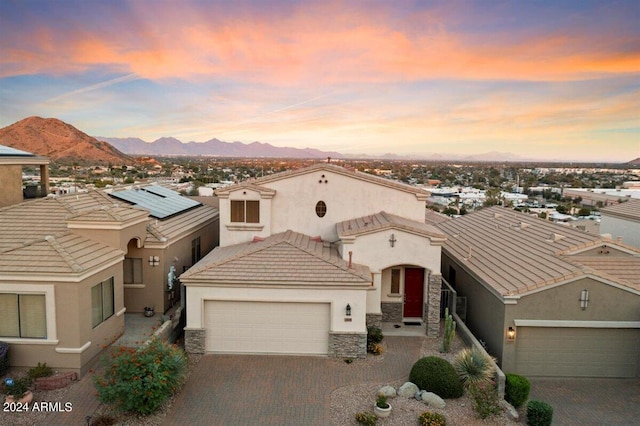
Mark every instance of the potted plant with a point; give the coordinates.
(382, 408)
(18, 390)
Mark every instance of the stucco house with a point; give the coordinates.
(547, 299)
(308, 258)
(622, 221)
(71, 266)
(12, 161)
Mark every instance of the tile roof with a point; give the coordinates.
(514, 253)
(383, 220)
(335, 169)
(176, 226)
(623, 270)
(286, 258)
(431, 217)
(629, 209)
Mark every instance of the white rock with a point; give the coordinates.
(512, 413)
(433, 400)
(408, 390)
(388, 391)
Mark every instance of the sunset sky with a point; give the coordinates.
(556, 80)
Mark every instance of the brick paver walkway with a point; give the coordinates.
(588, 402)
(279, 390)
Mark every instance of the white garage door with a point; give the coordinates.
(578, 352)
(267, 327)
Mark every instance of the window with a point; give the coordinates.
(395, 281)
(195, 251)
(132, 270)
(321, 208)
(102, 302)
(23, 315)
(245, 211)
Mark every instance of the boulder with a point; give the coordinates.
(512, 413)
(388, 391)
(408, 390)
(418, 395)
(433, 400)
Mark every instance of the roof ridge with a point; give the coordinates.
(63, 253)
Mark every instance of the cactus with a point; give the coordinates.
(449, 331)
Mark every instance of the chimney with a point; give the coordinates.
(350, 257)
(619, 239)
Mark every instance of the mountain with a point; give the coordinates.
(214, 147)
(635, 162)
(59, 141)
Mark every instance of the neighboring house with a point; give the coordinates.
(308, 258)
(11, 163)
(622, 221)
(547, 299)
(70, 266)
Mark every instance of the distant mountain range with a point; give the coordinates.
(214, 147)
(59, 141)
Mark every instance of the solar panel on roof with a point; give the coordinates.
(159, 201)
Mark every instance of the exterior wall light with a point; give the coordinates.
(511, 334)
(584, 299)
(154, 260)
(348, 309)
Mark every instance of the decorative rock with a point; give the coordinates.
(408, 390)
(433, 400)
(418, 395)
(512, 413)
(388, 391)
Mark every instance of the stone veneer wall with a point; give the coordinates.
(348, 345)
(194, 341)
(391, 311)
(374, 320)
(432, 307)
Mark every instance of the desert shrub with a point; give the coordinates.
(485, 399)
(431, 419)
(4, 358)
(473, 367)
(40, 370)
(140, 380)
(376, 349)
(516, 389)
(367, 419)
(436, 375)
(539, 413)
(374, 337)
(16, 387)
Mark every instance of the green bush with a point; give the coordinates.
(539, 413)
(436, 375)
(40, 370)
(473, 367)
(516, 390)
(367, 419)
(374, 337)
(16, 387)
(431, 419)
(140, 380)
(485, 399)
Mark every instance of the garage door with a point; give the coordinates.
(261, 327)
(578, 352)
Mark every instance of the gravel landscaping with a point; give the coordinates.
(349, 400)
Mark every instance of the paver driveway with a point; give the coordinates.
(279, 390)
(587, 402)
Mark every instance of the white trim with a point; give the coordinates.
(576, 324)
(74, 350)
(48, 290)
(27, 341)
(121, 312)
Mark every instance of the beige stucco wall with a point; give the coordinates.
(118, 238)
(293, 206)
(11, 191)
(78, 343)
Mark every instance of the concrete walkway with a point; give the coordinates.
(279, 390)
(589, 402)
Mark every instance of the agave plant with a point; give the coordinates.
(473, 367)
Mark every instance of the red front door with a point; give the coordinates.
(413, 292)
